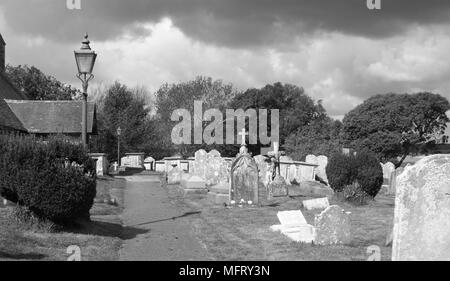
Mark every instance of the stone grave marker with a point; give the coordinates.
(332, 227)
(294, 226)
(244, 180)
(320, 203)
(200, 163)
(422, 211)
(174, 175)
(322, 161)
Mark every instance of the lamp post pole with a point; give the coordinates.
(85, 59)
(119, 132)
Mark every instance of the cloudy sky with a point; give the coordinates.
(338, 50)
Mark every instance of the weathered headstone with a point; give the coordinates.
(149, 163)
(200, 163)
(174, 176)
(319, 203)
(264, 169)
(294, 226)
(133, 160)
(422, 211)
(216, 169)
(219, 194)
(292, 174)
(322, 161)
(244, 179)
(312, 159)
(278, 187)
(332, 227)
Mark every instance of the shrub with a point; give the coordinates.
(54, 179)
(340, 171)
(369, 173)
(362, 171)
(355, 194)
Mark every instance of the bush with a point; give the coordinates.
(340, 171)
(362, 171)
(54, 179)
(369, 173)
(355, 194)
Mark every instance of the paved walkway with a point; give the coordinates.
(157, 229)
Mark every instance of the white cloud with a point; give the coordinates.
(342, 70)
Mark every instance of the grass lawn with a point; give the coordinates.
(244, 233)
(99, 239)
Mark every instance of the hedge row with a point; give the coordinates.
(55, 179)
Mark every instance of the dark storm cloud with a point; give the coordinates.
(223, 22)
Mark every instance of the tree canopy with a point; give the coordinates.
(297, 109)
(39, 86)
(394, 125)
(126, 108)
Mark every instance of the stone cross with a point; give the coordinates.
(243, 133)
(275, 155)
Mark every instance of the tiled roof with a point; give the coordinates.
(7, 89)
(8, 119)
(47, 117)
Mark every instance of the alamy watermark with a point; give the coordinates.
(374, 4)
(73, 4)
(213, 133)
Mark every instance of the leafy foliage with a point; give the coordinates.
(369, 173)
(340, 171)
(394, 125)
(119, 106)
(54, 179)
(39, 86)
(297, 109)
(320, 137)
(361, 170)
(213, 94)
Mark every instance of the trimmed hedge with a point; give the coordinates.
(340, 171)
(361, 170)
(54, 179)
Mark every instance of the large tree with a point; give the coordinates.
(39, 86)
(319, 137)
(395, 125)
(170, 97)
(126, 108)
(297, 109)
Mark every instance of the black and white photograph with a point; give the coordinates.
(224, 136)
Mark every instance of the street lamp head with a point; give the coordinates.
(119, 131)
(85, 58)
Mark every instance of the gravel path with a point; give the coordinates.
(154, 228)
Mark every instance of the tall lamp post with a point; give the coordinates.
(85, 59)
(119, 132)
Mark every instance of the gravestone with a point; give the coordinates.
(133, 160)
(312, 159)
(294, 226)
(320, 203)
(422, 211)
(174, 175)
(285, 163)
(278, 187)
(322, 161)
(200, 163)
(244, 179)
(219, 194)
(264, 169)
(216, 169)
(306, 173)
(292, 174)
(149, 163)
(332, 227)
